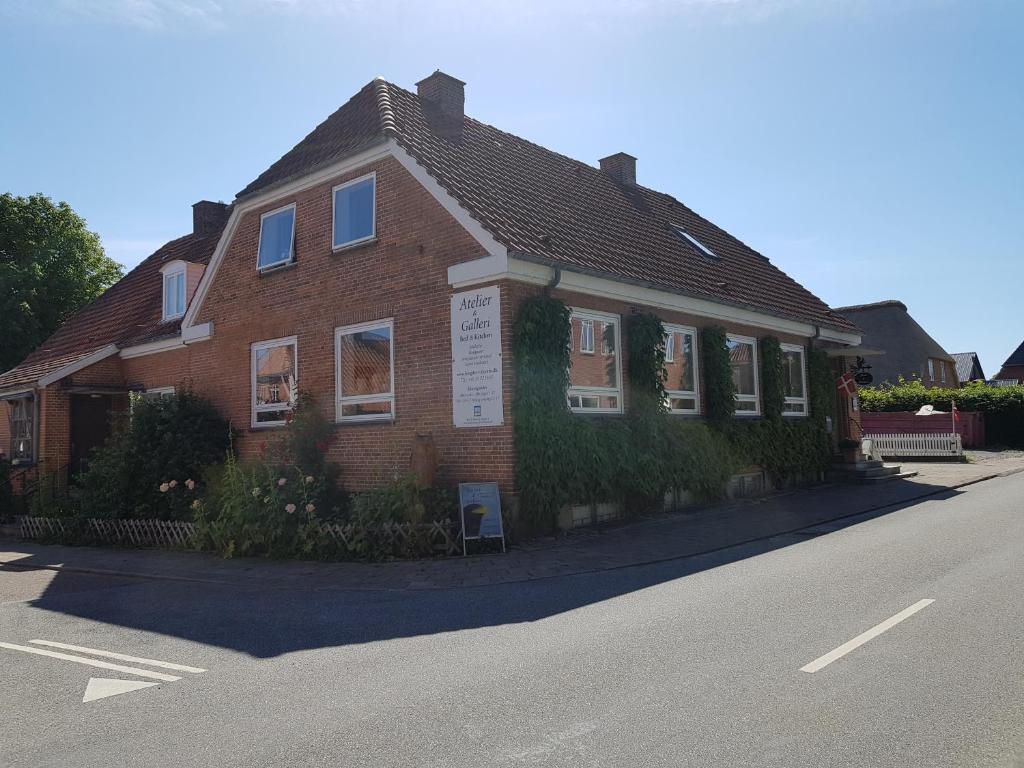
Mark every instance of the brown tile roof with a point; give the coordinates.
(550, 208)
(128, 313)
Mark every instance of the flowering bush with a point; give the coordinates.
(164, 441)
(257, 510)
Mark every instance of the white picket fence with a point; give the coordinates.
(942, 444)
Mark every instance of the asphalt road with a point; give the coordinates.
(694, 662)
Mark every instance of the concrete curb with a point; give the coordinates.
(279, 583)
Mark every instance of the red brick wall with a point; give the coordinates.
(403, 275)
(1011, 372)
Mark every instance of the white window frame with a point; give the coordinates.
(335, 246)
(340, 399)
(670, 344)
(677, 330)
(805, 400)
(581, 392)
(756, 397)
(32, 409)
(942, 371)
(173, 271)
(291, 244)
(584, 325)
(258, 346)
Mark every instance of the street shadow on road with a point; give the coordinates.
(269, 620)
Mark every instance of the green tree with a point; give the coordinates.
(51, 265)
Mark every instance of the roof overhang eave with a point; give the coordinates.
(564, 267)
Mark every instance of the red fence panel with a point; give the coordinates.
(971, 425)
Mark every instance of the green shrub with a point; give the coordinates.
(255, 510)
(154, 460)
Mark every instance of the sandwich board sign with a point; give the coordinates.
(480, 510)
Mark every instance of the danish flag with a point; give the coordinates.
(847, 384)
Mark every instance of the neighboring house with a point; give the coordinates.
(1013, 368)
(909, 352)
(968, 367)
(333, 273)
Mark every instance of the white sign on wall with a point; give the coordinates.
(476, 358)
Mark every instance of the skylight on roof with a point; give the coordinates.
(704, 250)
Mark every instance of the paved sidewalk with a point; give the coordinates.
(647, 540)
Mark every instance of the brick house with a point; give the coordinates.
(1013, 367)
(334, 272)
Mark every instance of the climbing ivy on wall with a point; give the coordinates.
(773, 390)
(719, 388)
(563, 458)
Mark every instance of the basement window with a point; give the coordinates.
(743, 356)
(794, 374)
(686, 237)
(365, 359)
(595, 381)
(277, 238)
(355, 209)
(274, 381)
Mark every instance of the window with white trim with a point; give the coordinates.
(365, 371)
(22, 417)
(174, 292)
(931, 369)
(355, 209)
(743, 357)
(794, 379)
(681, 369)
(595, 381)
(277, 238)
(274, 381)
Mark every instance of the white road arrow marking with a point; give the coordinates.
(102, 687)
(118, 656)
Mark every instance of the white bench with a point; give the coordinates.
(893, 445)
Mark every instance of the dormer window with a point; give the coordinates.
(277, 238)
(174, 290)
(702, 249)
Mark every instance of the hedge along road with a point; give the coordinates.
(688, 662)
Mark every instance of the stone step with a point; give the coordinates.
(879, 471)
(885, 478)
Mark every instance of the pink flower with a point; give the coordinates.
(310, 508)
(197, 504)
(290, 509)
(190, 484)
(281, 482)
(164, 487)
(172, 484)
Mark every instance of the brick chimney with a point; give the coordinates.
(620, 166)
(208, 217)
(443, 93)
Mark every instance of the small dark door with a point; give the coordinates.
(90, 427)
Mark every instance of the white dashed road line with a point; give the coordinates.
(118, 656)
(823, 661)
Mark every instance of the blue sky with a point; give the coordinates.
(872, 150)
